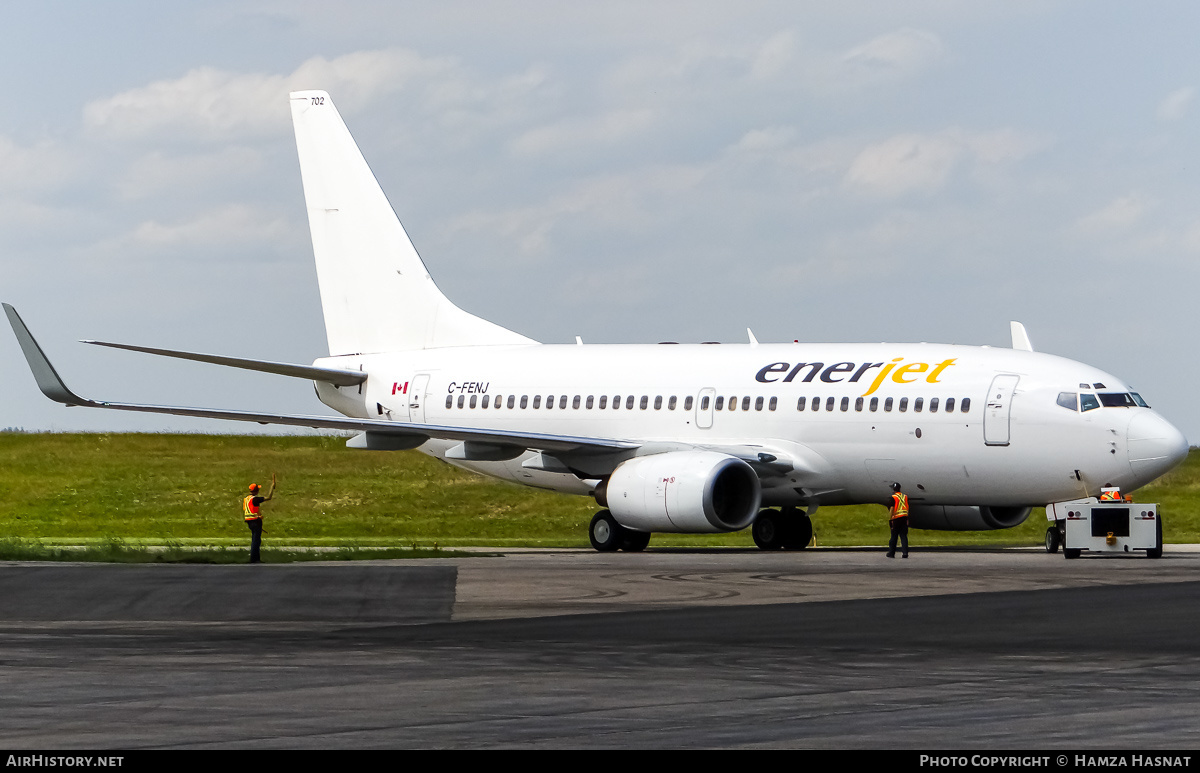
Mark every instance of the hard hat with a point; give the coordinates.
(253, 487)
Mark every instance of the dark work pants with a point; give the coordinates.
(899, 529)
(255, 538)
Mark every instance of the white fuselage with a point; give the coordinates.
(955, 424)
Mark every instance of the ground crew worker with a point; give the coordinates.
(1110, 493)
(251, 510)
(898, 521)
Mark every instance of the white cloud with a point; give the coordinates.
(236, 224)
(1120, 214)
(578, 134)
(211, 104)
(1175, 104)
(34, 167)
(157, 172)
(925, 163)
(897, 53)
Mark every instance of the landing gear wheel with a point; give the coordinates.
(635, 541)
(605, 533)
(1053, 540)
(799, 532)
(768, 530)
(1157, 551)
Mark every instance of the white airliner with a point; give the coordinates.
(691, 437)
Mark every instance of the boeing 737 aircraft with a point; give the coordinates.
(692, 438)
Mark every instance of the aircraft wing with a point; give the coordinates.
(53, 386)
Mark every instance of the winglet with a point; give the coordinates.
(44, 373)
(1020, 339)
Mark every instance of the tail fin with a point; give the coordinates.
(375, 291)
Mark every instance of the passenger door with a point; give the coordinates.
(999, 406)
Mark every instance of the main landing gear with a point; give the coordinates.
(608, 536)
(788, 529)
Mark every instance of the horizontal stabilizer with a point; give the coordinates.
(336, 376)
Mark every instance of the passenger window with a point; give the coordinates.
(1069, 400)
(746, 403)
(687, 403)
(773, 404)
(486, 398)
(603, 402)
(460, 401)
(733, 403)
(918, 404)
(511, 399)
(575, 401)
(562, 402)
(703, 403)
(644, 402)
(845, 404)
(524, 401)
(800, 404)
(933, 405)
(816, 403)
(473, 399)
(549, 402)
(858, 404)
(965, 406)
(658, 402)
(829, 403)
(671, 403)
(590, 402)
(949, 405)
(874, 404)
(758, 403)
(903, 404)
(887, 405)
(449, 401)
(719, 404)
(500, 401)
(629, 403)
(1086, 401)
(537, 401)
(616, 402)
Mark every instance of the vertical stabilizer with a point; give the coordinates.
(376, 293)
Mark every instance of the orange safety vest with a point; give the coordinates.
(250, 509)
(899, 505)
(1110, 496)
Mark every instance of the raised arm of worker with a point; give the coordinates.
(271, 493)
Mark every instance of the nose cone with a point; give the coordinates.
(1155, 446)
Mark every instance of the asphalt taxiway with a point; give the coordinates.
(548, 649)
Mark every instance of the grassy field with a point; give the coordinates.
(186, 490)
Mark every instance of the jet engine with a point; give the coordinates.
(683, 491)
(966, 518)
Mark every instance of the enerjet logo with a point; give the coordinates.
(850, 372)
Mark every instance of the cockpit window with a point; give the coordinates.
(1069, 400)
(1088, 401)
(1117, 400)
(1138, 399)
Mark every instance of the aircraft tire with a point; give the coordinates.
(605, 534)
(635, 541)
(1053, 541)
(1156, 552)
(799, 532)
(768, 530)
(1072, 552)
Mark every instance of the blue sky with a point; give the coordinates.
(627, 172)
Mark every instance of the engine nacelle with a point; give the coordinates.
(683, 491)
(966, 518)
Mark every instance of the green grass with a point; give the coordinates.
(185, 491)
